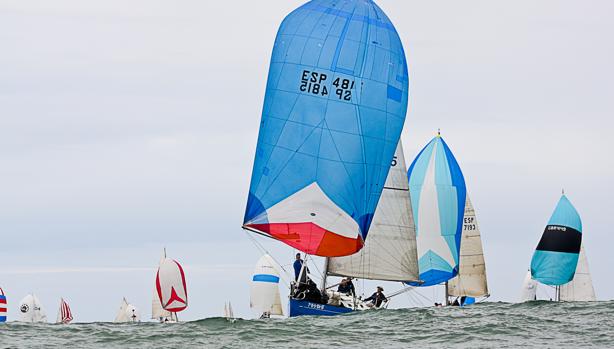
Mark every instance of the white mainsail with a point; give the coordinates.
(580, 289)
(529, 288)
(264, 293)
(127, 313)
(31, 309)
(390, 250)
(157, 312)
(471, 279)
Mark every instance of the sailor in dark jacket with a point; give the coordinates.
(377, 298)
(347, 287)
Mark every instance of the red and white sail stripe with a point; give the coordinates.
(2, 306)
(64, 314)
(171, 286)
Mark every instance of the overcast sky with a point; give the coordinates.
(126, 126)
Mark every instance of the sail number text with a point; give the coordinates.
(469, 223)
(320, 84)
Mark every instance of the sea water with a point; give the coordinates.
(487, 325)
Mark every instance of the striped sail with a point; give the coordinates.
(334, 108)
(437, 190)
(471, 279)
(390, 251)
(580, 289)
(2, 306)
(556, 256)
(264, 292)
(171, 286)
(64, 313)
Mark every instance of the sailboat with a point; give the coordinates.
(438, 197)
(31, 309)
(471, 282)
(2, 306)
(127, 313)
(555, 259)
(264, 293)
(228, 313)
(333, 113)
(64, 313)
(171, 288)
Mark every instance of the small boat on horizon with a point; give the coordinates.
(127, 313)
(32, 310)
(3, 306)
(64, 313)
(170, 291)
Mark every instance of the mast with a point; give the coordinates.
(323, 285)
(447, 294)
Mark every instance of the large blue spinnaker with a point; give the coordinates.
(438, 192)
(335, 105)
(556, 256)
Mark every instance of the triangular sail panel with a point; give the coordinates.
(437, 189)
(580, 289)
(171, 286)
(390, 250)
(556, 256)
(334, 108)
(471, 279)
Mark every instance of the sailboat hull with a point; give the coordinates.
(302, 308)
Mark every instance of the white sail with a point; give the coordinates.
(390, 251)
(228, 313)
(471, 278)
(264, 295)
(529, 288)
(157, 312)
(127, 313)
(580, 289)
(31, 309)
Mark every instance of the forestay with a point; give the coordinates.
(334, 108)
(437, 189)
(471, 279)
(390, 251)
(32, 310)
(171, 286)
(264, 295)
(556, 256)
(580, 289)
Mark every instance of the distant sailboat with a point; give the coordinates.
(157, 310)
(228, 313)
(64, 313)
(333, 114)
(31, 309)
(471, 282)
(171, 288)
(264, 294)
(3, 306)
(580, 289)
(529, 289)
(555, 259)
(127, 313)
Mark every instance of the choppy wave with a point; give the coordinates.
(486, 325)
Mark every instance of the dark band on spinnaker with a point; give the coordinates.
(558, 238)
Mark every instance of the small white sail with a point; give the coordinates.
(64, 313)
(157, 311)
(471, 279)
(31, 309)
(264, 295)
(127, 313)
(228, 313)
(390, 251)
(529, 288)
(580, 289)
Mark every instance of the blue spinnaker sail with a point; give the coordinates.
(556, 256)
(438, 192)
(335, 105)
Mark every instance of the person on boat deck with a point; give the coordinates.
(377, 298)
(298, 266)
(347, 286)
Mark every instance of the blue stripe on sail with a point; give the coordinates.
(344, 139)
(2, 298)
(434, 269)
(458, 182)
(266, 278)
(553, 268)
(566, 215)
(2, 318)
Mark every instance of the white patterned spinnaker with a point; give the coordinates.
(64, 313)
(264, 293)
(171, 286)
(580, 289)
(31, 309)
(529, 288)
(390, 251)
(127, 313)
(471, 278)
